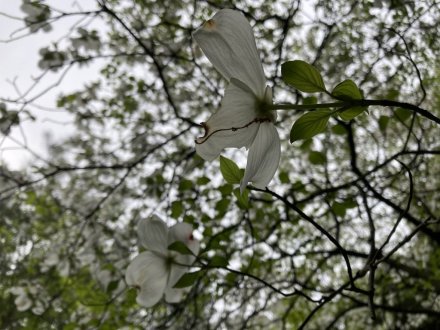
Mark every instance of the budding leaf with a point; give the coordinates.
(310, 124)
(242, 199)
(347, 90)
(187, 279)
(180, 247)
(302, 76)
(230, 171)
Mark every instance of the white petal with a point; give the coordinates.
(228, 42)
(233, 125)
(151, 293)
(22, 302)
(149, 273)
(17, 290)
(145, 266)
(180, 232)
(176, 272)
(264, 157)
(153, 234)
(183, 232)
(174, 295)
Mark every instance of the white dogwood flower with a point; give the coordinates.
(156, 271)
(244, 118)
(22, 301)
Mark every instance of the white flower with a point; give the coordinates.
(22, 301)
(156, 271)
(244, 118)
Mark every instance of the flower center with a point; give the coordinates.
(264, 111)
(169, 261)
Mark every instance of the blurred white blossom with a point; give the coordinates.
(156, 271)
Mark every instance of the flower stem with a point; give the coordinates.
(358, 103)
(306, 106)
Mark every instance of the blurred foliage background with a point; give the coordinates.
(68, 221)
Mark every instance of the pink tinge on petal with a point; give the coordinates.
(228, 42)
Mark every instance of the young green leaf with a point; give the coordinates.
(230, 171)
(338, 129)
(383, 123)
(284, 177)
(302, 76)
(180, 247)
(218, 261)
(187, 279)
(242, 199)
(339, 209)
(347, 90)
(317, 158)
(310, 124)
(351, 113)
(176, 209)
(402, 114)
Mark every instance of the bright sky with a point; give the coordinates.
(19, 60)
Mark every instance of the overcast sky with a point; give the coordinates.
(19, 60)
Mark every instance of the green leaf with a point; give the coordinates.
(185, 185)
(338, 129)
(339, 209)
(350, 203)
(306, 145)
(347, 90)
(284, 177)
(202, 181)
(112, 286)
(310, 124)
(176, 209)
(302, 76)
(218, 261)
(402, 114)
(180, 247)
(225, 189)
(351, 113)
(188, 279)
(383, 123)
(222, 205)
(230, 171)
(242, 199)
(317, 158)
(310, 100)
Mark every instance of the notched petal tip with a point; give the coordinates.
(209, 25)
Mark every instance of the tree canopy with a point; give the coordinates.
(345, 236)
